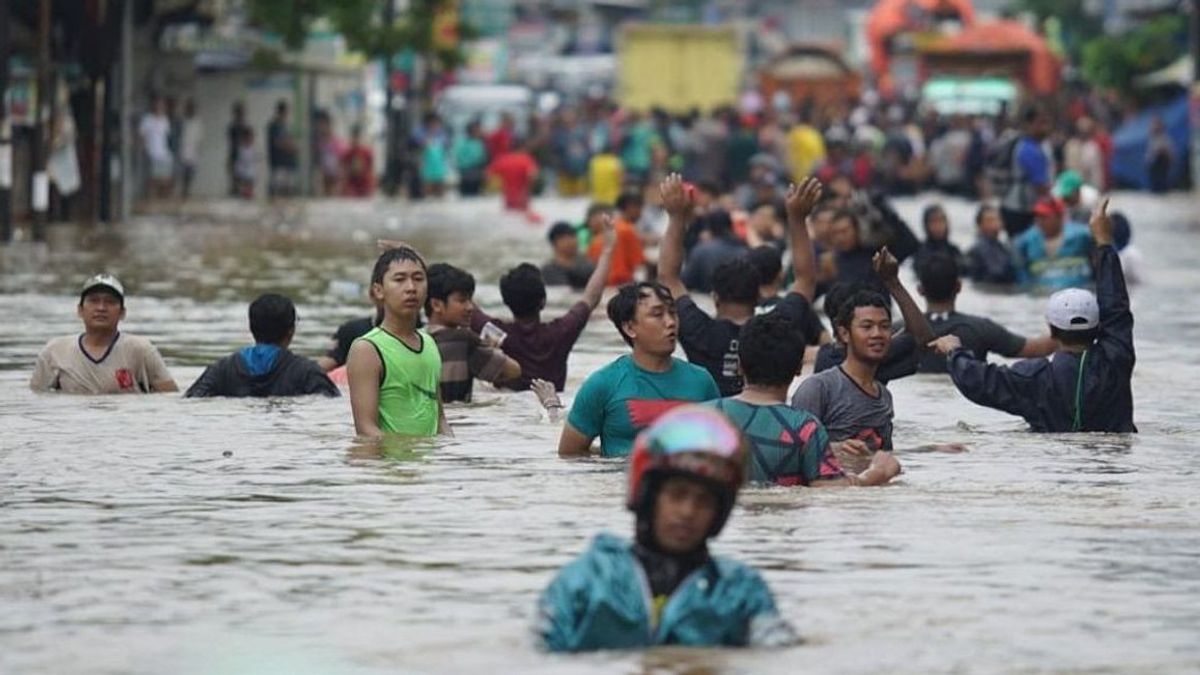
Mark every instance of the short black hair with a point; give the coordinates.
(281, 106)
(559, 230)
(596, 207)
(768, 260)
(523, 290)
(272, 317)
(841, 214)
(770, 349)
(736, 280)
(1031, 113)
(983, 209)
(1076, 338)
(939, 275)
(445, 280)
(928, 214)
(845, 314)
(629, 198)
(622, 308)
(718, 223)
(839, 293)
(398, 254)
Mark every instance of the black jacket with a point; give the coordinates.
(1047, 392)
(292, 376)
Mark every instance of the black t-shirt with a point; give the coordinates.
(900, 360)
(809, 322)
(347, 333)
(978, 334)
(713, 343)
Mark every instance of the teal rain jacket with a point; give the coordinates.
(602, 601)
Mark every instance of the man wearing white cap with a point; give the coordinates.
(1084, 386)
(102, 360)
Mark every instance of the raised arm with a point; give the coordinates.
(1116, 321)
(595, 285)
(679, 206)
(987, 383)
(888, 269)
(800, 202)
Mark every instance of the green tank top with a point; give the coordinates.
(408, 396)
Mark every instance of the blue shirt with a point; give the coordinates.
(622, 398)
(1069, 267)
(1035, 166)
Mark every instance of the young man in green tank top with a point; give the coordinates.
(395, 369)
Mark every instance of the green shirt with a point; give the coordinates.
(619, 400)
(408, 393)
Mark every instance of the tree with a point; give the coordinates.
(1078, 25)
(1114, 61)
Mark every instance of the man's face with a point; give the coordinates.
(566, 245)
(939, 226)
(101, 310)
(654, 325)
(844, 235)
(596, 222)
(990, 224)
(1050, 225)
(869, 336)
(403, 289)
(456, 310)
(632, 213)
(821, 226)
(684, 511)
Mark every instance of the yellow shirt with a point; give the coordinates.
(604, 174)
(806, 148)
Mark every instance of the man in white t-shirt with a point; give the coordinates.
(102, 360)
(189, 145)
(154, 132)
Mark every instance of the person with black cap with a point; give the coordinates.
(665, 588)
(1085, 385)
(102, 360)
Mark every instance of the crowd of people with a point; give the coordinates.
(767, 393)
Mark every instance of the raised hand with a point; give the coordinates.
(945, 344)
(1101, 225)
(802, 198)
(608, 231)
(676, 199)
(886, 265)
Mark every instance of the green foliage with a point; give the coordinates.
(1115, 60)
(1078, 25)
(360, 22)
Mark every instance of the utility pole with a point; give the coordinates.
(40, 194)
(124, 121)
(1195, 93)
(6, 149)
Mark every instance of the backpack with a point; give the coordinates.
(998, 167)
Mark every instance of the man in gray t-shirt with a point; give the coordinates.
(846, 410)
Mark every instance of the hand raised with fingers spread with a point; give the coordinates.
(676, 199)
(886, 265)
(1101, 224)
(802, 198)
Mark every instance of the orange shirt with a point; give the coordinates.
(627, 254)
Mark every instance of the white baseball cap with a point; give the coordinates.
(105, 281)
(1073, 309)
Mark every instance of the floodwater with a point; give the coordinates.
(131, 543)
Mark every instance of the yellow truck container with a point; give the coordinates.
(678, 67)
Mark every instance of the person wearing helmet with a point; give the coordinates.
(101, 360)
(664, 587)
(1085, 386)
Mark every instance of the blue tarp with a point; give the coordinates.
(1130, 142)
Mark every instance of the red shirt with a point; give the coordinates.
(358, 165)
(516, 171)
(499, 142)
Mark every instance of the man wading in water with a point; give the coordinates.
(664, 588)
(1085, 385)
(395, 369)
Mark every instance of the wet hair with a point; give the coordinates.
(1075, 338)
(838, 294)
(272, 317)
(845, 314)
(983, 210)
(560, 230)
(622, 308)
(770, 349)
(928, 214)
(394, 255)
(768, 261)
(736, 281)
(628, 199)
(446, 280)
(523, 290)
(939, 275)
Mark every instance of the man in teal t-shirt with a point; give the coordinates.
(1056, 254)
(629, 394)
